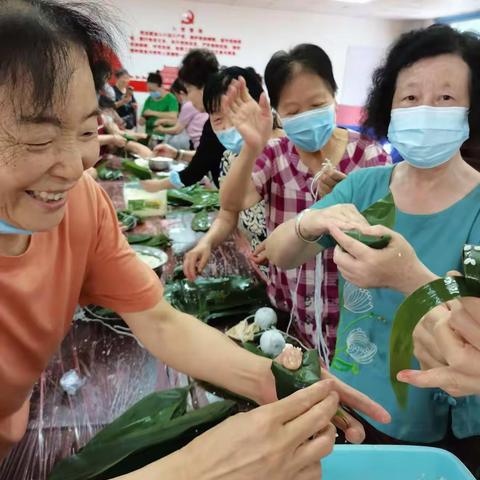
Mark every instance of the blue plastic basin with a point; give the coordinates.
(384, 462)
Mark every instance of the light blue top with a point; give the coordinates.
(366, 316)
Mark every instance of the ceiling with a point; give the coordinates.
(394, 9)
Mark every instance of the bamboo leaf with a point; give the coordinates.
(201, 221)
(149, 430)
(418, 305)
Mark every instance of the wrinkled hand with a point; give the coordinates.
(327, 181)
(119, 141)
(355, 400)
(259, 255)
(164, 150)
(196, 260)
(284, 440)
(447, 346)
(343, 216)
(395, 266)
(253, 120)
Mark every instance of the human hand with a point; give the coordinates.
(153, 186)
(164, 150)
(356, 400)
(318, 222)
(252, 120)
(196, 260)
(259, 255)
(119, 141)
(142, 121)
(327, 180)
(447, 346)
(396, 266)
(284, 440)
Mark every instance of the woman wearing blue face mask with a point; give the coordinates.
(160, 105)
(252, 219)
(292, 172)
(426, 98)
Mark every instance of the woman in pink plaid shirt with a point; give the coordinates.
(291, 173)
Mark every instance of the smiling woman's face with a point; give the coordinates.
(44, 154)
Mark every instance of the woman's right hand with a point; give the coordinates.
(284, 440)
(252, 120)
(119, 141)
(196, 260)
(343, 216)
(164, 150)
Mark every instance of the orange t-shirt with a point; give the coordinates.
(84, 260)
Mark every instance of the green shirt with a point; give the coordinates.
(167, 103)
(363, 336)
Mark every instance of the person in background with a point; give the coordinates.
(104, 74)
(253, 219)
(190, 121)
(426, 98)
(292, 172)
(160, 105)
(197, 67)
(112, 135)
(125, 102)
(60, 240)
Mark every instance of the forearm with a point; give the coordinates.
(418, 276)
(221, 228)
(285, 249)
(106, 139)
(235, 186)
(167, 468)
(202, 352)
(175, 130)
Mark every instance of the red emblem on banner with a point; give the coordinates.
(188, 18)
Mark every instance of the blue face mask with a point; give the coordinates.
(230, 139)
(310, 131)
(427, 137)
(6, 228)
(155, 95)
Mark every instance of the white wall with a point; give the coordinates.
(262, 32)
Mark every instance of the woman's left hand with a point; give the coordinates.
(447, 346)
(356, 400)
(396, 266)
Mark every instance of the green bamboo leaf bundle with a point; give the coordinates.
(213, 298)
(418, 305)
(159, 240)
(201, 221)
(151, 429)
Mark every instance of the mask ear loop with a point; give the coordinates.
(294, 300)
(313, 186)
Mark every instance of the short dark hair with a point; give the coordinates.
(410, 48)
(178, 86)
(36, 39)
(102, 72)
(121, 72)
(218, 84)
(197, 65)
(282, 65)
(155, 77)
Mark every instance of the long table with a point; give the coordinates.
(116, 370)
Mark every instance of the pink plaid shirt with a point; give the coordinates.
(284, 182)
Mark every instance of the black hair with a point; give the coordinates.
(105, 102)
(218, 84)
(155, 78)
(410, 48)
(36, 40)
(121, 72)
(283, 65)
(102, 71)
(197, 66)
(178, 87)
